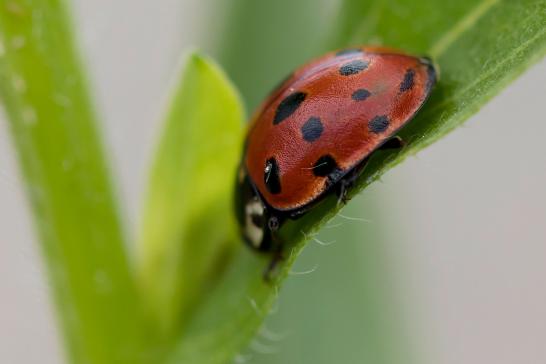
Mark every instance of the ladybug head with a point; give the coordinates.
(255, 222)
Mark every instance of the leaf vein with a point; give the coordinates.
(467, 22)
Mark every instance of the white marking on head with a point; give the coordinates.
(253, 232)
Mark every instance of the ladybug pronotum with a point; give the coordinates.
(315, 133)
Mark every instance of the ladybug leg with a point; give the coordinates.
(393, 143)
(273, 224)
(342, 190)
(347, 182)
(270, 271)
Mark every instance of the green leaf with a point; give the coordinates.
(53, 124)
(479, 46)
(188, 229)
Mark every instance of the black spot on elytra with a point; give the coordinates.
(288, 106)
(324, 166)
(271, 176)
(312, 129)
(378, 124)
(407, 83)
(360, 94)
(347, 51)
(353, 67)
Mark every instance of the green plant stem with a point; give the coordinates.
(54, 130)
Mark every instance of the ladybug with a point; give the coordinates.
(314, 134)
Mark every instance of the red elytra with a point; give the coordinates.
(313, 134)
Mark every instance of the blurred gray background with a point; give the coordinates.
(462, 225)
